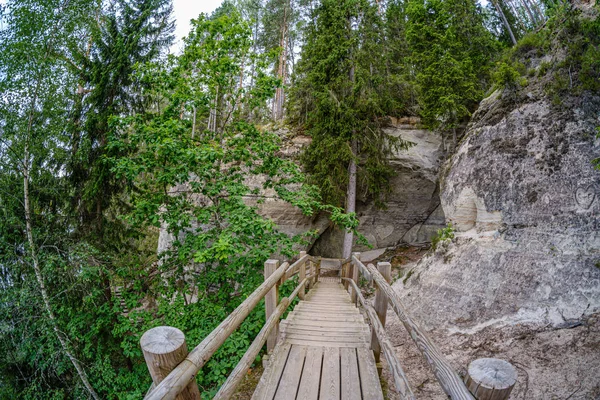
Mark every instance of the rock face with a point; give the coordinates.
(413, 212)
(524, 199)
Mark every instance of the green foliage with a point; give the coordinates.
(451, 50)
(532, 41)
(340, 95)
(442, 235)
(197, 186)
(133, 31)
(509, 75)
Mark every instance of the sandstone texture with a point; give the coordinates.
(524, 200)
(413, 213)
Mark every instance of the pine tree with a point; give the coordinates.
(127, 33)
(451, 50)
(341, 97)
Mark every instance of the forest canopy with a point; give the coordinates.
(106, 139)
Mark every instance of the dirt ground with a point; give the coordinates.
(552, 364)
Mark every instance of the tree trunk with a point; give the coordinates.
(29, 229)
(281, 70)
(534, 21)
(506, 24)
(350, 200)
(39, 277)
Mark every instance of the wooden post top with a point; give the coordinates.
(491, 379)
(162, 340)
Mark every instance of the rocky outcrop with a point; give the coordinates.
(524, 200)
(413, 212)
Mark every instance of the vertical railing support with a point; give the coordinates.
(271, 300)
(344, 274)
(164, 348)
(381, 306)
(317, 270)
(301, 276)
(354, 276)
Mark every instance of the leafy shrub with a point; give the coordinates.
(442, 235)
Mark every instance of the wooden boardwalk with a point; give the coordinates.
(323, 352)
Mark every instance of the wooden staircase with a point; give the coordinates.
(324, 351)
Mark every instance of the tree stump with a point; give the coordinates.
(164, 348)
(491, 379)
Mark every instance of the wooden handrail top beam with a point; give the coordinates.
(293, 269)
(179, 378)
(236, 376)
(443, 371)
(363, 269)
(400, 378)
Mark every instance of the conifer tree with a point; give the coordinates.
(127, 33)
(451, 50)
(341, 97)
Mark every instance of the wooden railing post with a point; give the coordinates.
(302, 275)
(271, 300)
(164, 348)
(355, 275)
(381, 306)
(491, 379)
(317, 270)
(344, 274)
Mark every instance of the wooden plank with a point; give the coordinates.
(328, 306)
(380, 305)
(185, 372)
(352, 338)
(302, 275)
(369, 378)
(267, 386)
(355, 275)
(336, 329)
(318, 343)
(400, 378)
(330, 377)
(443, 371)
(271, 300)
(325, 317)
(318, 310)
(311, 375)
(349, 375)
(288, 385)
(328, 310)
(324, 324)
(320, 334)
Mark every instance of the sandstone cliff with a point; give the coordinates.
(524, 199)
(413, 212)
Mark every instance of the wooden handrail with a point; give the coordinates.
(293, 269)
(186, 371)
(400, 378)
(236, 376)
(443, 371)
(363, 268)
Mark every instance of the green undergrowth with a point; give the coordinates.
(570, 44)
